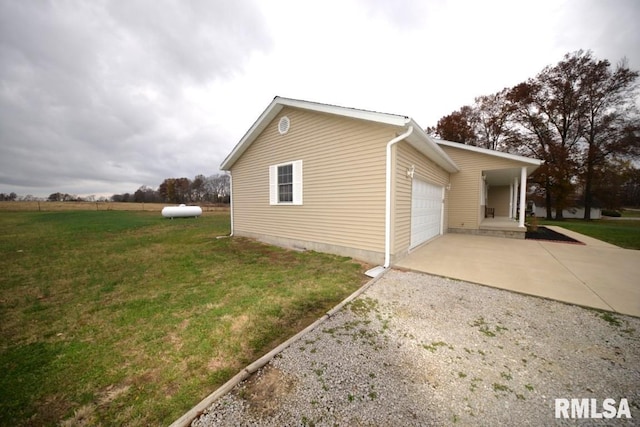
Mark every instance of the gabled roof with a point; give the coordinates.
(418, 138)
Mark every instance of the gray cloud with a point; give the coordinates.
(609, 29)
(91, 93)
(103, 96)
(404, 14)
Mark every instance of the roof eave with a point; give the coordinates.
(258, 126)
(427, 146)
(515, 157)
(279, 103)
(373, 116)
(419, 139)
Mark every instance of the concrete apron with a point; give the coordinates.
(597, 274)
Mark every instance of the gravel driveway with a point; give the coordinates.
(416, 349)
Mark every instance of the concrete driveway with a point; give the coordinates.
(596, 274)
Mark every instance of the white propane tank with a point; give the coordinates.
(182, 211)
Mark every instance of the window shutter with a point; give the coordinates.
(273, 185)
(297, 182)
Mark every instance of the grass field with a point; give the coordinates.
(631, 213)
(21, 206)
(623, 233)
(127, 318)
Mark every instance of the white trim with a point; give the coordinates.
(429, 147)
(258, 126)
(273, 184)
(297, 183)
(514, 199)
(444, 197)
(354, 113)
(511, 200)
(523, 196)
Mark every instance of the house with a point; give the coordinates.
(538, 208)
(364, 184)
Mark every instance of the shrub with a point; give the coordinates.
(610, 212)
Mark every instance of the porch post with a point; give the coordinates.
(514, 200)
(523, 195)
(511, 200)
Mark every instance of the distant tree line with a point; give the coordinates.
(580, 116)
(8, 197)
(202, 189)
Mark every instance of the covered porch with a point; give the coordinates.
(503, 198)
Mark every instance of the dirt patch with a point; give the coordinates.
(265, 390)
(86, 415)
(112, 393)
(239, 324)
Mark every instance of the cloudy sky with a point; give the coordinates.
(104, 96)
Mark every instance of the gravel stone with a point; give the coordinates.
(416, 350)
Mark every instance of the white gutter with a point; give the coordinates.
(387, 213)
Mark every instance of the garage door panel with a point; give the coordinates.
(426, 211)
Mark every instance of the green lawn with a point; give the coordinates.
(128, 318)
(631, 213)
(623, 233)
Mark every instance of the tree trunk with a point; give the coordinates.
(587, 198)
(588, 184)
(547, 190)
(559, 214)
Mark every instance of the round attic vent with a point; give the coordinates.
(283, 125)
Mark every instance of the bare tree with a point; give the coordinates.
(198, 190)
(218, 188)
(458, 126)
(611, 120)
(549, 117)
(491, 121)
(146, 194)
(533, 135)
(579, 116)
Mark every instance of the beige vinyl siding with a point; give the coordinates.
(465, 211)
(404, 156)
(343, 181)
(499, 199)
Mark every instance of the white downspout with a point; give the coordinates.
(231, 201)
(387, 213)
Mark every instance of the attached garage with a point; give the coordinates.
(399, 188)
(426, 211)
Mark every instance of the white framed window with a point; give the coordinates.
(285, 183)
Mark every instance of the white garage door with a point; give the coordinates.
(426, 211)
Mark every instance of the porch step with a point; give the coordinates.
(519, 233)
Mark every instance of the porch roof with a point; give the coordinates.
(503, 176)
(497, 177)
